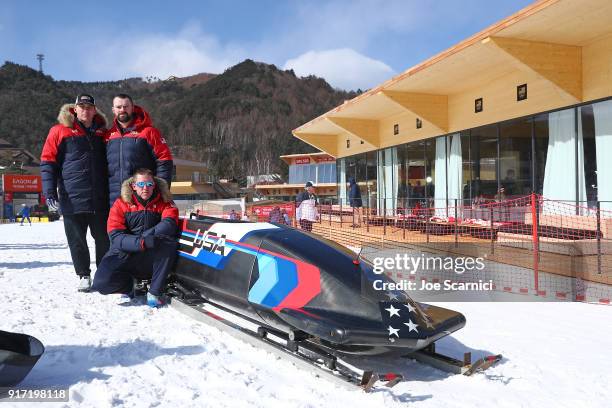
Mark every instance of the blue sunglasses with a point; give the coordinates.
(142, 184)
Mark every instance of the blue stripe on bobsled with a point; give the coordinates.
(277, 278)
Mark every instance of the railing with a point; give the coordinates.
(532, 232)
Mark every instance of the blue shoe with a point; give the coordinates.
(154, 301)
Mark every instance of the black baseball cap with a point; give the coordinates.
(85, 99)
(309, 184)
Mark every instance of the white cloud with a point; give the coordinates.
(186, 53)
(343, 68)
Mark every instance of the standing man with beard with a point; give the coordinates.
(133, 143)
(73, 161)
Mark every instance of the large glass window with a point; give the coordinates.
(483, 146)
(564, 169)
(561, 155)
(371, 186)
(351, 167)
(466, 166)
(515, 167)
(411, 174)
(590, 153)
(430, 167)
(402, 176)
(341, 180)
(387, 180)
(540, 142)
(596, 127)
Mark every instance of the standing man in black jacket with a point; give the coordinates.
(73, 161)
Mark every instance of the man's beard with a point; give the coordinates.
(124, 118)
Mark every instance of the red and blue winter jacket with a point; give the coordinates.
(138, 146)
(73, 160)
(130, 221)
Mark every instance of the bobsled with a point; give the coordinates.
(296, 282)
(18, 355)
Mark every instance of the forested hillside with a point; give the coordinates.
(238, 122)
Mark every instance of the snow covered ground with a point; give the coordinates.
(555, 354)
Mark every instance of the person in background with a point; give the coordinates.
(306, 203)
(25, 213)
(286, 217)
(133, 143)
(355, 201)
(500, 197)
(143, 227)
(509, 182)
(234, 216)
(276, 216)
(73, 162)
(478, 201)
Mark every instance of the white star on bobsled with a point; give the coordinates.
(393, 331)
(410, 308)
(393, 311)
(392, 296)
(411, 326)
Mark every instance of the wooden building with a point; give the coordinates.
(524, 105)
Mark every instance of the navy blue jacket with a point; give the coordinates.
(73, 161)
(354, 194)
(139, 146)
(129, 221)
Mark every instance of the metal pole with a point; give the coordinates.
(368, 212)
(446, 141)
(533, 156)
(598, 237)
(456, 227)
(427, 224)
(492, 234)
(404, 221)
(577, 185)
(534, 220)
(385, 216)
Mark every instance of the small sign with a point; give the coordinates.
(521, 92)
(478, 105)
(264, 210)
(302, 160)
(348, 143)
(324, 159)
(396, 129)
(419, 123)
(22, 183)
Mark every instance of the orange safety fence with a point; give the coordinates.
(532, 232)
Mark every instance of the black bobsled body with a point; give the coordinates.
(289, 280)
(18, 354)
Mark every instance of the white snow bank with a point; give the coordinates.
(556, 354)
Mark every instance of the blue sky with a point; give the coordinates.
(351, 43)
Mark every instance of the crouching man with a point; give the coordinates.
(143, 229)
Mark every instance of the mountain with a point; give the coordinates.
(237, 122)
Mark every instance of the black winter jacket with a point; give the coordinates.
(73, 161)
